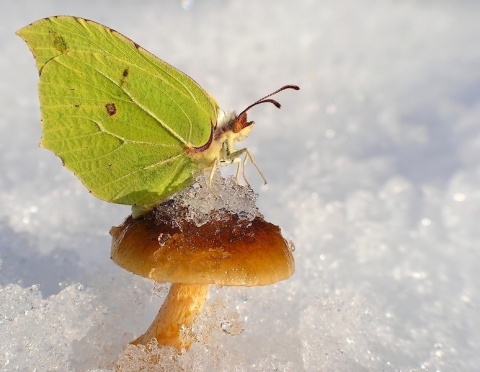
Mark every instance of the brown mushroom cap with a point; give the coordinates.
(224, 251)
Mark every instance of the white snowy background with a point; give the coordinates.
(373, 171)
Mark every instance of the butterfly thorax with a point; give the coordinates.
(230, 128)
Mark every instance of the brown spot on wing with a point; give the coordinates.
(111, 109)
(124, 77)
(58, 41)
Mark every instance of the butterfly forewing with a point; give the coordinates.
(120, 118)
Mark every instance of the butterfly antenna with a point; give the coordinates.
(267, 99)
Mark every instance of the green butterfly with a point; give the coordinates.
(131, 127)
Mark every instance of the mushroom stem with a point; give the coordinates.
(183, 303)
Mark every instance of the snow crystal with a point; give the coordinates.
(372, 171)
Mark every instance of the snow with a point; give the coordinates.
(212, 193)
(372, 171)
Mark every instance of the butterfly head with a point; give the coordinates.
(234, 128)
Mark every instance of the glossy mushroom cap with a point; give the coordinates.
(165, 246)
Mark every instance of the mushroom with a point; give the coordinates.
(167, 246)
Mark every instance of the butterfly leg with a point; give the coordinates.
(212, 172)
(235, 157)
(248, 155)
(241, 165)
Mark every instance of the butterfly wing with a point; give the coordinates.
(119, 118)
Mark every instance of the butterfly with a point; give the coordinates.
(131, 127)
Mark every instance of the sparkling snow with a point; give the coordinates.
(373, 172)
